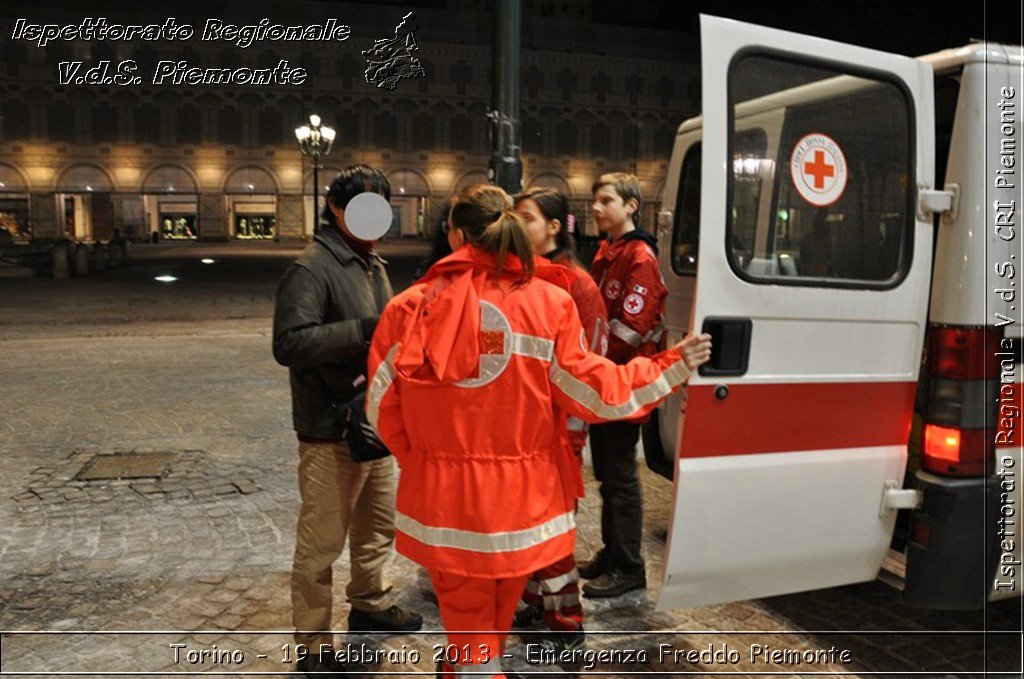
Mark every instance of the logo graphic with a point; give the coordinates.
(495, 346)
(391, 59)
(612, 289)
(818, 169)
(633, 304)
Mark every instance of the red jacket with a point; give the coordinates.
(472, 378)
(594, 318)
(626, 270)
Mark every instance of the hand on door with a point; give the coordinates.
(696, 350)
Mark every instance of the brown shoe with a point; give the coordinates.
(325, 665)
(392, 620)
(595, 567)
(615, 582)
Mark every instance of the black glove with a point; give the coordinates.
(367, 326)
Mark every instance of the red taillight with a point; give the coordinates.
(948, 450)
(963, 353)
(921, 534)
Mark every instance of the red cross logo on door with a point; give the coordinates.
(818, 169)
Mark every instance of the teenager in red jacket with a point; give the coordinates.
(474, 370)
(626, 269)
(552, 595)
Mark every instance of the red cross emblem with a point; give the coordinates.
(492, 342)
(819, 169)
(633, 304)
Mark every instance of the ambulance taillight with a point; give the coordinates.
(963, 376)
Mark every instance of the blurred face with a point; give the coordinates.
(610, 212)
(539, 229)
(339, 217)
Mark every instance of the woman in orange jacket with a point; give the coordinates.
(475, 369)
(552, 594)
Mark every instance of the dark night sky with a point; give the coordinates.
(910, 27)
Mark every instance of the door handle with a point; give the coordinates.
(730, 345)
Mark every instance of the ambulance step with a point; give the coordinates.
(894, 569)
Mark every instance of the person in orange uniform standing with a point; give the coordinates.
(552, 594)
(474, 370)
(626, 269)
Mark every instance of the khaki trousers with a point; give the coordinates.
(340, 498)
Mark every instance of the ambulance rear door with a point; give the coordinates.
(813, 272)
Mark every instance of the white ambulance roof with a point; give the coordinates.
(944, 61)
(993, 53)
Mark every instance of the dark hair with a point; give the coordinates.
(349, 183)
(626, 185)
(485, 216)
(553, 205)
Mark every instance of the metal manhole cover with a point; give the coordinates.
(126, 466)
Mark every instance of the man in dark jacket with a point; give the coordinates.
(327, 306)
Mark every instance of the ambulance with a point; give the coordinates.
(844, 222)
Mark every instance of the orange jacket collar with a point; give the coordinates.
(442, 343)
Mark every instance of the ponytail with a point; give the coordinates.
(484, 214)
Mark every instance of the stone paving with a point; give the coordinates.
(198, 559)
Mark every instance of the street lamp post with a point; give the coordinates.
(315, 142)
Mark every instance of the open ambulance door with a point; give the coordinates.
(812, 275)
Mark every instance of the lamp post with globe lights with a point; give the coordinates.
(315, 142)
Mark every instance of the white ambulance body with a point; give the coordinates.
(803, 228)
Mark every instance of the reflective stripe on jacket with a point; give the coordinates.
(594, 318)
(472, 378)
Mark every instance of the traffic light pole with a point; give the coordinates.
(506, 165)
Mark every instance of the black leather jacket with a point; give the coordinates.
(319, 331)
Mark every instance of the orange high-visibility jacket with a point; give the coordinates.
(472, 378)
(594, 318)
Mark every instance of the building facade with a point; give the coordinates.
(216, 162)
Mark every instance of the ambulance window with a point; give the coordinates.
(686, 231)
(947, 90)
(840, 213)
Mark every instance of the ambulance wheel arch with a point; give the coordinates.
(799, 425)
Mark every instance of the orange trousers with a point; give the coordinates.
(477, 615)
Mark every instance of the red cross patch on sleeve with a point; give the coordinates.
(633, 304)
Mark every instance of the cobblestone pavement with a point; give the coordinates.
(116, 367)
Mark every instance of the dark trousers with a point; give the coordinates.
(613, 448)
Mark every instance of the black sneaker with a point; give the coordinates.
(528, 617)
(556, 645)
(595, 567)
(317, 666)
(392, 620)
(615, 582)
